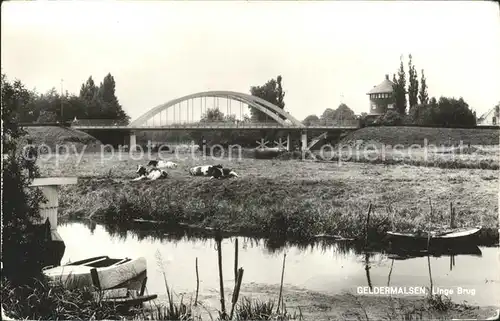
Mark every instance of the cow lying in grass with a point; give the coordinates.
(152, 174)
(213, 171)
(162, 164)
(200, 170)
(220, 172)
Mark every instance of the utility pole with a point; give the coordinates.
(341, 102)
(62, 110)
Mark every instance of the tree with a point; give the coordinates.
(47, 117)
(110, 107)
(447, 112)
(20, 247)
(311, 120)
(343, 112)
(88, 91)
(422, 95)
(271, 91)
(413, 84)
(89, 94)
(391, 118)
(399, 90)
(327, 117)
(213, 115)
(332, 116)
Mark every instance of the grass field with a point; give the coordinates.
(297, 199)
(407, 136)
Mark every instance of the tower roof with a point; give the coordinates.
(384, 87)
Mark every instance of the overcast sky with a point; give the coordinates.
(158, 51)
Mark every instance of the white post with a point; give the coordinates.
(50, 189)
(49, 209)
(304, 140)
(133, 142)
(288, 147)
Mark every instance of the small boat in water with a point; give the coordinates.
(101, 271)
(408, 253)
(445, 239)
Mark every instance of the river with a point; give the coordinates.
(330, 268)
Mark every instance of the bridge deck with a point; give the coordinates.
(219, 126)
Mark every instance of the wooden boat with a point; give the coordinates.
(101, 271)
(403, 254)
(445, 239)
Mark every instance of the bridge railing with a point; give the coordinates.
(97, 122)
(89, 123)
(335, 123)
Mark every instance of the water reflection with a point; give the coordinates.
(175, 235)
(323, 266)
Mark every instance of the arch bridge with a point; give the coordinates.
(217, 110)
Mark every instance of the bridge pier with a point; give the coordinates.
(288, 146)
(133, 142)
(303, 140)
(55, 246)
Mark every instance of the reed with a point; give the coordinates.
(280, 299)
(236, 291)
(235, 260)
(367, 224)
(222, 313)
(197, 282)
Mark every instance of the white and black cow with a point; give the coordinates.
(219, 172)
(162, 164)
(200, 170)
(152, 174)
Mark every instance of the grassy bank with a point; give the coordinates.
(407, 136)
(53, 136)
(289, 198)
(447, 158)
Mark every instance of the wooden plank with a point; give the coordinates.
(132, 300)
(47, 181)
(95, 278)
(111, 294)
(143, 286)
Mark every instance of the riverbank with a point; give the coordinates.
(313, 305)
(294, 199)
(255, 302)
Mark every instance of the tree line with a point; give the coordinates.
(413, 106)
(331, 116)
(93, 102)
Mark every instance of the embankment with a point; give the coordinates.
(274, 207)
(407, 136)
(54, 136)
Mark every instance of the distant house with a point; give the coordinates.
(490, 118)
(381, 98)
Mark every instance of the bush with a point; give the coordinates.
(391, 118)
(268, 153)
(448, 112)
(22, 241)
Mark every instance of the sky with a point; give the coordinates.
(327, 52)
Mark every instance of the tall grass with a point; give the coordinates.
(276, 209)
(42, 301)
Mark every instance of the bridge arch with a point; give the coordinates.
(266, 107)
